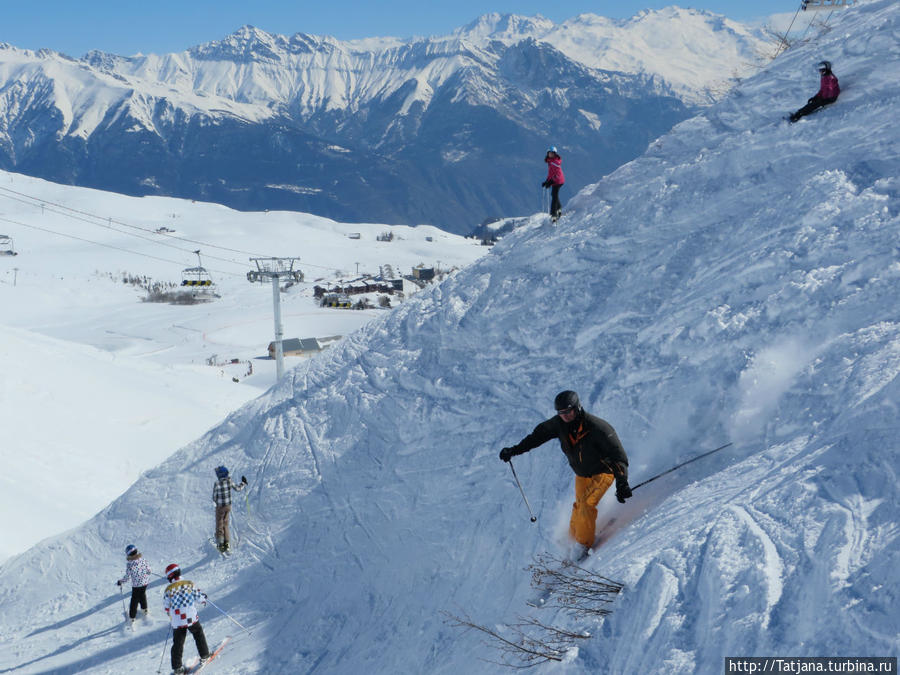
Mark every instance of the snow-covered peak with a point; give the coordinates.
(247, 44)
(504, 27)
(698, 53)
(695, 52)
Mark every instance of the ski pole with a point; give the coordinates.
(678, 466)
(163, 655)
(533, 517)
(122, 596)
(228, 616)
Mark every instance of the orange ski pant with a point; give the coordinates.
(588, 492)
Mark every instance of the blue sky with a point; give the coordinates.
(125, 27)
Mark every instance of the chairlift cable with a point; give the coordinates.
(116, 248)
(783, 42)
(105, 226)
(44, 203)
(108, 220)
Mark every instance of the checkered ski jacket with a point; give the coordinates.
(180, 602)
(222, 491)
(138, 570)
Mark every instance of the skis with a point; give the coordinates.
(197, 666)
(225, 554)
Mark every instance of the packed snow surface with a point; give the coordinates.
(127, 381)
(738, 283)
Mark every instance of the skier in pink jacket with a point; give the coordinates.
(555, 180)
(829, 90)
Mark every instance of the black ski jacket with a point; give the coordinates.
(588, 442)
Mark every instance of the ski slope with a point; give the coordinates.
(739, 282)
(127, 381)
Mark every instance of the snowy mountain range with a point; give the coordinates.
(445, 130)
(738, 282)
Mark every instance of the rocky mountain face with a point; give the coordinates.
(447, 131)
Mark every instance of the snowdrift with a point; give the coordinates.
(739, 282)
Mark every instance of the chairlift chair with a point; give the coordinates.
(6, 245)
(196, 276)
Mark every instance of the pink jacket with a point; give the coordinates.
(829, 89)
(554, 170)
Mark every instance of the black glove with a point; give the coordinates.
(507, 454)
(119, 582)
(547, 183)
(623, 492)
(244, 480)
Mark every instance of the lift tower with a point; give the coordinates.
(274, 270)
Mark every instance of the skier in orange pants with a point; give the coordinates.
(594, 453)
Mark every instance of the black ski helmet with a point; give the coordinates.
(567, 399)
(130, 550)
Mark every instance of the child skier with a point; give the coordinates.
(829, 90)
(138, 570)
(180, 602)
(555, 180)
(222, 499)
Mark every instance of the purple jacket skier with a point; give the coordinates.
(829, 90)
(555, 180)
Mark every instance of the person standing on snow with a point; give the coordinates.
(138, 571)
(180, 602)
(594, 453)
(829, 90)
(555, 180)
(222, 499)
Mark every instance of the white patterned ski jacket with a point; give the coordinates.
(180, 602)
(138, 570)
